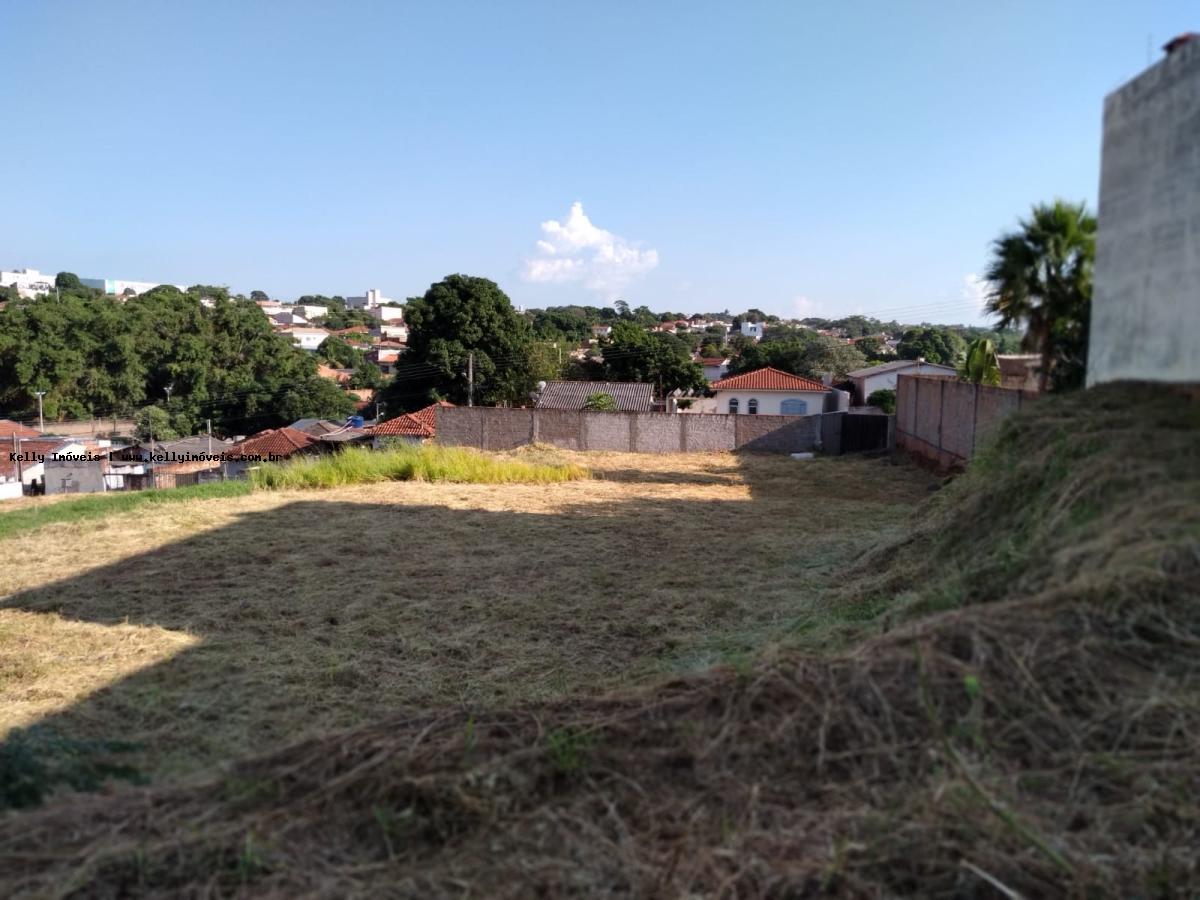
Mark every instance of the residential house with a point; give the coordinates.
(387, 313)
(310, 310)
(415, 427)
(167, 464)
(771, 392)
(715, 367)
(272, 445)
(883, 376)
(287, 317)
(305, 338)
(628, 396)
(753, 330)
(601, 331)
(23, 462)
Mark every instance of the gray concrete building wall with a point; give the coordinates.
(1146, 298)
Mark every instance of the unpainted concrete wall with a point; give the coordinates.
(945, 422)
(502, 429)
(1146, 294)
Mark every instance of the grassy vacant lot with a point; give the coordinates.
(1018, 716)
(207, 630)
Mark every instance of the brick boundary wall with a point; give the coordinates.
(944, 421)
(494, 428)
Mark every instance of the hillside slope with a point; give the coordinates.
(1021, 713)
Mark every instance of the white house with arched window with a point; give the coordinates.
(769, 392)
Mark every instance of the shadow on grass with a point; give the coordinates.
(322, 614)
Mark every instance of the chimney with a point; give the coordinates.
(1176, 42)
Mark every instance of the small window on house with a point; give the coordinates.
(752, 407)
(733, 406)
(793, 408)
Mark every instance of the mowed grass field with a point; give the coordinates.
(211, 629)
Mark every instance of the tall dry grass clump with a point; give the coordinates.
(409, 462)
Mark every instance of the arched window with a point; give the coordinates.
(752, 407)
(733, 406)
(793, 408)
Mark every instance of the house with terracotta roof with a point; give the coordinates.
(272, 445)
(416, 427)
(8, 428)
(770, 392)
(715, 367)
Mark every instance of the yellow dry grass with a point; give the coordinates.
(210, 629)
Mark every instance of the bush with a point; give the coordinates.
(409, 462)
(885, 399)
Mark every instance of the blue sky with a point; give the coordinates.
(802, 158)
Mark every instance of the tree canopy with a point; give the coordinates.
(935, 345)
(96, 355)
(458, 316)
(634, 354)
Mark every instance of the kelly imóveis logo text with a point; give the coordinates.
(165, 456)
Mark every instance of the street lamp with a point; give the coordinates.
(41, 421)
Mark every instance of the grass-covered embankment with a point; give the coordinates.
(409, 462)
(98, 506)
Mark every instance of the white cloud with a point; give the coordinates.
(575, 250)
(975, 291)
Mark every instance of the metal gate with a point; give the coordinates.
(864, 432)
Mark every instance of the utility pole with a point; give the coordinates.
(471, 378)
(209, 421)
(20, 466)
(41, 421)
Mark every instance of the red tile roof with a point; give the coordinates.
(422, 423)
(278, 441)
(8, 428)
(767, 379)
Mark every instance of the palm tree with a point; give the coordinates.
(1041, 275)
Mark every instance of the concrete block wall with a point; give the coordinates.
(1146, 294)
(503, 429)
(945, 422)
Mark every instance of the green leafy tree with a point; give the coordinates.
(634, 354)
(1041, 276)
(935, 345)
(807, 354)
(600, 402)
(980, 364)
(339, 354)
(262, 296)
(67, 281)
(154, 422)
(459, 316)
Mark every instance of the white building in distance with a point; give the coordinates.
(28, 282)
(119, 287)
(371, 299)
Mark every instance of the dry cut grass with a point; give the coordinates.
(205, 631)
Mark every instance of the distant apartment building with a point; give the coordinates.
(370, 300)
(1146, 295)
(119, 287)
